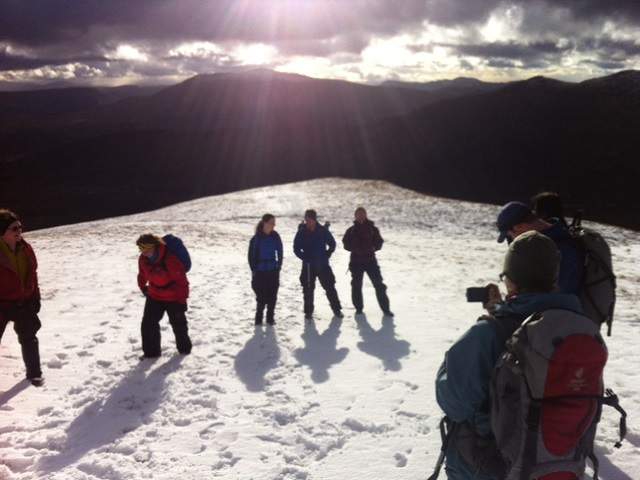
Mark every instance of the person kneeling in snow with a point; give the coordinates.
(163, 280)
(19, 292)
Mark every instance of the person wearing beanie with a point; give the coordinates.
(516, 218)
(314, 245)
(20, 292)
(163, 281)
(530, 273)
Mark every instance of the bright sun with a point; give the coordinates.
(255, 54)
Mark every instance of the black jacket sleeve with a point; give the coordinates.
(377, 239)
(347, 239)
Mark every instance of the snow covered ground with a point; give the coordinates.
(327, 400)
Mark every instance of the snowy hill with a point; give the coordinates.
(329, 400)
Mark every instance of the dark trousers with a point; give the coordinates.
(153, 312)
(266, 285)
(327, 281)
(26, 324)
(373, 271)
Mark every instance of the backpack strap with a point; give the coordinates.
(595, 463)
(447, 430)
(504, 325)
(611, 399)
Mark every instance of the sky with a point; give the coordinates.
(116, 42)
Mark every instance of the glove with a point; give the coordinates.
(144, 290)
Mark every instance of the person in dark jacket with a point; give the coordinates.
(163, 280)
(363, 240)
(530, 270)
(20, 292)
(314, 245)
(516, 218)
(265, 261)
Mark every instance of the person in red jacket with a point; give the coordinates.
(163, 280)
(19, 292)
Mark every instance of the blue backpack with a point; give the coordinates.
(176, 246)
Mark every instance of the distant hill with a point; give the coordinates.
(578, 139)
(65, 100)
(223, 132)
(448, 88)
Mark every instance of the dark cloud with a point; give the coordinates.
(57, 32)
(610, 47)
(39, 22)
(628, 10)
(605, 64)
(510, 50)
(500, 63)
(10, 61)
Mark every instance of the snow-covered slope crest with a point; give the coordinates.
(325, 400)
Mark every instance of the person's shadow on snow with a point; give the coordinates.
(259, 355)
(13, 391)
(382, 343)
(130, 404)
(320, 352)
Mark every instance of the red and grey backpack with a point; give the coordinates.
(547, 393)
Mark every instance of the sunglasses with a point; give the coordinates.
(16, 228)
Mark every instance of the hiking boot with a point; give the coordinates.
(148, 357)
(338, 314)
(388, 313)
(36, 381)
(358, 311)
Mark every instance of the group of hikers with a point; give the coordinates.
(522, 390)
(314, 244)
(162, 278)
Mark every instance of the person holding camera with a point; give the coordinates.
(314, 245)
(530, 273)
(20, 292)
(162, 279)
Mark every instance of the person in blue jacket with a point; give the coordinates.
(265, 261)
(530, 272)
(314, 244)
(516, 218)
